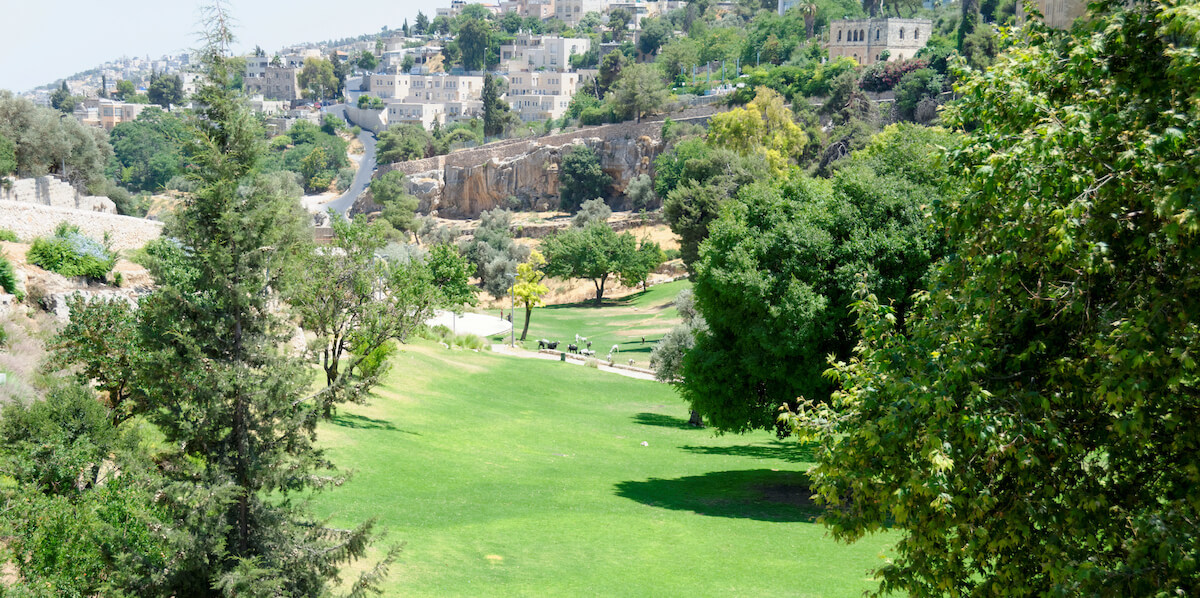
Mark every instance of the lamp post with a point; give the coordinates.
(512, 303)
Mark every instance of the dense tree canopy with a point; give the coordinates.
(148, 152)
(593, 253)
(580, 178)
(1028, 426)
(775, 277)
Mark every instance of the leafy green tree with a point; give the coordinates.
(1022, 427)
(440, 24)
(355, 305)
(511, 22)
(102, 337)
(450, 274)
(165, 90)
(473, 39)
(593, 253)
(8, 158)
(148, 151)
(62, 100)
(765, 127)
(406, 65)
(367, 61)
(401, 143)
(667, 357)
(125, 90)
(654, 33)
(317, 79)
(80, 515)
(528, 289)
(496, 112)
(915, 87)
(647, 259)
(639, 90)
(421, 27)
(591, 212)
(776, 275)
(618, 23)
(399, 207)
(580, 178)
(494, 253)
(610, 71)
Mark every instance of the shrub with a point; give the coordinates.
(470, 341)
(345, 178)
(597, 115)
(70, 253)
(883, 76)
(8, 235)
(8, 278)
(591, 362)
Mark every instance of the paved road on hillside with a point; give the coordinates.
(365, 169)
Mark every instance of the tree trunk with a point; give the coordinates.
(695, 420)
(528, 312)
(600, 290)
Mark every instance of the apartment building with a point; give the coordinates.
(572, 11)
(98, 112)
(865, 40)
(537, 9)
(541, 95)
(277, 83)
(532, 52)
(435, 88)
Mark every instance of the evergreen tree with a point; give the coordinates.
(234, 406)
(496, 111)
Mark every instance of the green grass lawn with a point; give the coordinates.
(623, 321)
(522, 477)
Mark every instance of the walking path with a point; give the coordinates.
(516, 352)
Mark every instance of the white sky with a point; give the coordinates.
(47, 40)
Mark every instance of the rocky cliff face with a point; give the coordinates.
(462, 185)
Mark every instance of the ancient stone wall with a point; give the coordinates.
(49, 191)
(30, 221)
(465, 183)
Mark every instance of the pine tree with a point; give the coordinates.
(218, 383)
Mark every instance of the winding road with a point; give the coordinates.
(366, 167)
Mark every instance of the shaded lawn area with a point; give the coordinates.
(521, 477)
(622, 321)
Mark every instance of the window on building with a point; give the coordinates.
(876, 35)
(861, 35)
(901, 33)
(916, 33)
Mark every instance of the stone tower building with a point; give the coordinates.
(865, 40)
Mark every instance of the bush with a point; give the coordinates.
(883, 76)
(597, 115)
(345, 178)
(671, 254)
(8, 235)
(8, 278)
(70, 253)
(470, 341)
(592, 362)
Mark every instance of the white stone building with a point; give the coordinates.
(541, 95)
(531, 52)
(865, 40)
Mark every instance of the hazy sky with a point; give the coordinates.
(46, 40)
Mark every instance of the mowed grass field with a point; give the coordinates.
(506, 476)
(623, 321)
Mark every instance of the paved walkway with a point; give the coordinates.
(470, 323)
(517, 352)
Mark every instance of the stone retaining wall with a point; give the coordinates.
(30, 221)
(49, 191)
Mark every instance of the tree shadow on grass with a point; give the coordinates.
(792, 452)
(347, 420)
(759, 494)
(663, 421)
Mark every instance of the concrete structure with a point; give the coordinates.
(98, 112)
(410, 113)
(433, 88)
(1059, 14)
(30, 221)
(49, 191)
(267, 107)
(572, 11)
(537, 9)
(865, 40)
(786, 5)
(277, 83)
(531, 52)
(541, 95)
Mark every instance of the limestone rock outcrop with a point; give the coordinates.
(464, 184)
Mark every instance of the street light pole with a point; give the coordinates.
(512, 317)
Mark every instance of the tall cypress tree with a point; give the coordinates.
(228, 398)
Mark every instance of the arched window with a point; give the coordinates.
(876, 35)
(901, 33)
(839, 36)
(861, 35)
(917, 33)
